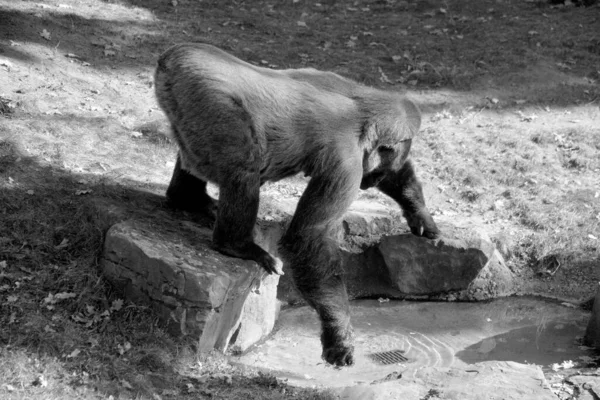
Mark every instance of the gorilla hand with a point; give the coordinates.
(421, 224)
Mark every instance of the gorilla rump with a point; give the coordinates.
(239, 126)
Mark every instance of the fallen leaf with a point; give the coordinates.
(383, 77)
(40, 381)
(74, 353)
(570, 305)
(526, 118)
(62, 244)
(126, 384)
(116, 305)
(64, 295)
(45, 34)
(9, 388)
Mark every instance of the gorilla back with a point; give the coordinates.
(239, 125)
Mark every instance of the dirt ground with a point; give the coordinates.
(510, 142)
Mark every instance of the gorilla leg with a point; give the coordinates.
(188, 193)
(404, 187)
(236, 217)
(315, 259)
(319, 277)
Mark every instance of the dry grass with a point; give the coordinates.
(510, 137)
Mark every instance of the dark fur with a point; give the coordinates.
(239, 125)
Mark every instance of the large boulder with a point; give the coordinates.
(194, 290)
(463, 261)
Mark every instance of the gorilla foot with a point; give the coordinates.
(272, 265)
(206, 206)
(337, 344)
(251, 251)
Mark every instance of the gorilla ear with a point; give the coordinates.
(399, 121)
(368, 136)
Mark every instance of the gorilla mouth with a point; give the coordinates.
(372, 179)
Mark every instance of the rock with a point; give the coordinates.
(260, 312)
(195, 291)
(368, 219)
(462, 260)
(592, 333)
(487, 380)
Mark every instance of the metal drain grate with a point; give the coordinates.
(389, 357)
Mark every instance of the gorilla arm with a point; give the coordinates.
(308, 247)
(404, 187)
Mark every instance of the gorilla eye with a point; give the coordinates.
(385, 149)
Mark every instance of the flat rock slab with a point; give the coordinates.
(482, 381)
(463, 350)
(169, 265)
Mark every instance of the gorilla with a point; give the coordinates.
(238, 125)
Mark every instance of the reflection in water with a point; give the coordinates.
(429, 335)
(531, 344)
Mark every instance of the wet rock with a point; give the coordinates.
(169, 265)
(592, 333)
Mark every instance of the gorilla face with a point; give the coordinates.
(386, 158)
